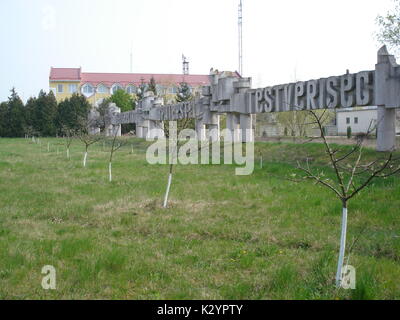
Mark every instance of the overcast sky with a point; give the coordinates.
(283, 39)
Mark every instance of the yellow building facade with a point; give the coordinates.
(64, 82)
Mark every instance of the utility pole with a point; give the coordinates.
(240, 25)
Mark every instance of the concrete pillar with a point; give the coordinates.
(139, 131)
(200, 130)
(110, 130)
(213, 127)
(246, 126)
(232, 124)
(386, 129)
(387, 98)
(93, 130)
(145, 130)
(213, 131)
(142, 129)
(156, 129)
(118, 129)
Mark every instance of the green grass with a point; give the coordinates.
(223, 236)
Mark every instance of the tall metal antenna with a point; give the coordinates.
(185, 64)
(240, 25)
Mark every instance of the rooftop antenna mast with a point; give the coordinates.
(185, 64)
(240, 25)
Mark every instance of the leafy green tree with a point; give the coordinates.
(389, 24)
(123, 100)
(184, 93)
(152, 86)
(16, 115)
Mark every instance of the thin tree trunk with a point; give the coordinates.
(84, 159)
(68, 153)
(48, 146)
(110, 171)
(168, 187)
(342, 246)
(261, 162)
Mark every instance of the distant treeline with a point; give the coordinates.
(42, 115)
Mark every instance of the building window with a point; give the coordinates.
(60, 88)
(160, 89)
(131, 89)
(347, 120)
(102, 89)
(115, 88)
(87, 90)
(355, 120)
(172, 90)
(73, 88)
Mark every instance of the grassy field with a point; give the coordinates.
(223, 236)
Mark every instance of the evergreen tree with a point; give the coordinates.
(16, 115)
(30, 109)
(64, 116)
(51, 105)
(184, 93)
(102, 109)
(71, 111)
(4, 128)
(80, 107)
(44, 114)
(140, 92)
(152, 86)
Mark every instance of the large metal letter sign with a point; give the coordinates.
(232, 95)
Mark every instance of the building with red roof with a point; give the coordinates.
(97, 86)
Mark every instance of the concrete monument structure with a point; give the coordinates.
(233, 96)
(111, 128)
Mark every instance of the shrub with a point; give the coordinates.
(348, 132)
